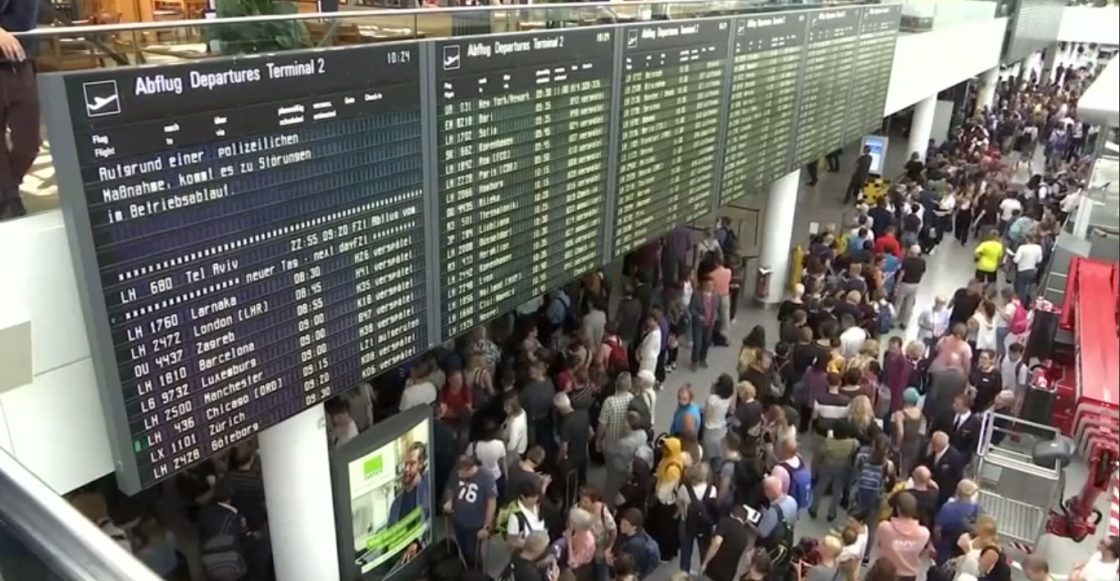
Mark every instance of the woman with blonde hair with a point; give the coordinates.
(985, 533)
(829, 568)
(580, 539)
(861, 415)
(868, 352)
(748, 413)
(480, 379)
(753, 346)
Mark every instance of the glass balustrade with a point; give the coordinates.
(43, 538)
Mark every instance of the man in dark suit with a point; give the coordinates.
(946, 464)
(965, 431)
(859, 176)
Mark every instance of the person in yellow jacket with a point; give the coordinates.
(989, 255)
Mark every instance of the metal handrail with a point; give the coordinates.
(1006, 458)
(395, 12)
(58, 534)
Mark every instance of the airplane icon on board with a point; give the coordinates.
(101, 98)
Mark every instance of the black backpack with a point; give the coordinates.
(698, 518)
(221, 555)
(746, 482)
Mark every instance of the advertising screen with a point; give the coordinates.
(386, 495)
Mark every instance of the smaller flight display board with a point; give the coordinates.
(523, 135)
(826, 83)
(672, 99)
(767, 60)
(878, 31)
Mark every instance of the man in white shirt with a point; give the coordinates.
(343, 428)
(1027, 258)
(1071, 202)
(526, 516)
(1007, 211)
(419, 389)
(934, 322)
(851, 340)
(1102, 565)
(1014, 372)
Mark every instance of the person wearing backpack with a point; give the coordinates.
(869, 476)
(226, 551)
(696, 503)
(634, 542)
(613, 351)
(522, 517)
(729, 542)
(776, 527)
(726, 467)
(832, 462)
(1018, 321)
(793, 473)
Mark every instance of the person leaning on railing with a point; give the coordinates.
(19, 107)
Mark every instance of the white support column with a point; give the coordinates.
(1049, 63)
(781, 209)
(295, 464)
(987, 94)
(921, 127)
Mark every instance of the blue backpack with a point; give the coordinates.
(886, 319)
(800, 483)
(651, 558)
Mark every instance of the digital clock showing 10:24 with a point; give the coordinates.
(398, 57)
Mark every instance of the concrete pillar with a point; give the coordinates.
(1049, 63)
(295, 465)
(921, 127)
(781, 209)
(987, 94)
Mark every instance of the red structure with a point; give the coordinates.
(1087, 398)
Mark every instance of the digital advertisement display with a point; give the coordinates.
(390, 502)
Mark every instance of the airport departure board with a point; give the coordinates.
(878, 30)
(256, 234)
(523, 135)
(767, 61)
(672, 95)
(252, 232)
(826, 83)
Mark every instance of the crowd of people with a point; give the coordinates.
(838, 411)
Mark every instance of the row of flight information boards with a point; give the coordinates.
(256, 234)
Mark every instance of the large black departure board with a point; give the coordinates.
(826, 83)
(767, 61)
(523, 133)
(878, 30)
(256, 234)
(672, 95)
(253, 236)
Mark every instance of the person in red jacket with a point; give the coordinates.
(888, 243)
